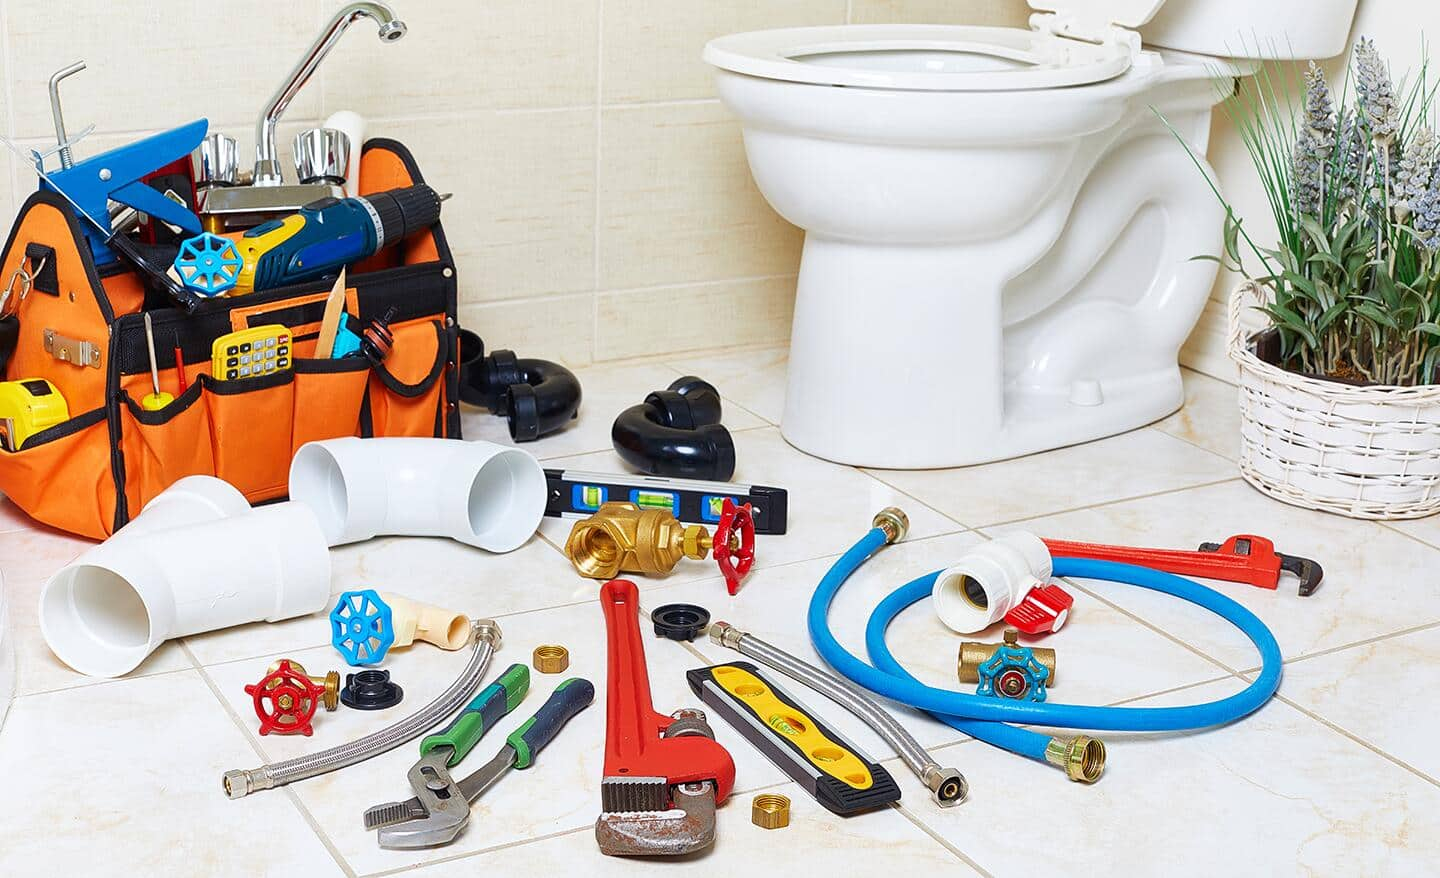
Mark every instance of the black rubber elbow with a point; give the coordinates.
(537, 397)
(676, 432)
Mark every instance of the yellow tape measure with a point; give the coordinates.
(28, 406)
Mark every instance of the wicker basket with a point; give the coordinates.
(1365, 452)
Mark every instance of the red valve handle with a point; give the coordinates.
(741, 520)
(285, 701)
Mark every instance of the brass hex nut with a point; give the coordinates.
(770, 811)
(550, 658)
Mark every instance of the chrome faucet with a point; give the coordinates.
(267, 158)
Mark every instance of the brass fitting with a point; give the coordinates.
(893, 521)
(1082, 757)
(550, 658)
(622, 537)
(974, 654)
(770, 811)
(330, 683)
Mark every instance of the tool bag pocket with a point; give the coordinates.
(91, 473)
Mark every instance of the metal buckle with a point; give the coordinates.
(71, 350)
(27, 282)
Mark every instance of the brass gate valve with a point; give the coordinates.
(622, 537)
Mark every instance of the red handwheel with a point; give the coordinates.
(734, 562)
(285, 701)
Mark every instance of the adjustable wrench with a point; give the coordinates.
(439, 809)
(1244, 558)
(664, 775)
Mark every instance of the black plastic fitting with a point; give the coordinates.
(370, 690)
(537, 397)
(676, 432)
(680, 621)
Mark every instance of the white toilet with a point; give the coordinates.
(999, 225)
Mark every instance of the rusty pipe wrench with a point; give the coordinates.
(1243, 558)
(664, 775)
(439, 808)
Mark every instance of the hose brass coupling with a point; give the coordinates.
(1081, 757)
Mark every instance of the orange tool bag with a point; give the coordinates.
(84, 332)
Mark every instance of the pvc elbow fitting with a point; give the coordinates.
(990, 580)
(196, 559)
(414, 621)
(676, 432)
(477, 493)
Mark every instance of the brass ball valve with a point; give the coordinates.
(623, 537)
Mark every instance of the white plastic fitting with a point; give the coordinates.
(353, 124)
(197, 558)
(478, 493)
(990, 580)
(412, 621)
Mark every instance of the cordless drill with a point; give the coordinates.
(322, 237)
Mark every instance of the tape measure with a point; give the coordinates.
(836, 772)
(28, 406)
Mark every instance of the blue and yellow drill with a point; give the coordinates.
(324, 236)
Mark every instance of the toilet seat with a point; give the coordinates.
(1078, 42)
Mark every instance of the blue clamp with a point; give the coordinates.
(361, 628)
(1013, 672)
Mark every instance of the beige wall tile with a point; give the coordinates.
(677, 203)
(652, 48)
(1004, 13)
(523, 217)
(157, 65)
(9, 201)
(670, 319)
(557, 328)
(468, 55)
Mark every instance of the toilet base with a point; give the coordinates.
(1034, 421)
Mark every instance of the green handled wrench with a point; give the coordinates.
(438, 804)
(519, 751)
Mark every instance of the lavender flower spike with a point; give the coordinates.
(1417, 166)
(1313, 146)
(1375, 92)
(1427, 215)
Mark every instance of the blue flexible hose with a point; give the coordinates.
(985, 718)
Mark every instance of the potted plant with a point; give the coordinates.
(1339, 395)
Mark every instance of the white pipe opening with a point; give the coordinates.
(990, 580)
(196, 559)
(478, 493)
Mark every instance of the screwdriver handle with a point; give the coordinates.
(568, 699)
(486, 709)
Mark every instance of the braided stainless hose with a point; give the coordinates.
(484, 636)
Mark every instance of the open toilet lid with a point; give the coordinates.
(917, 57)
(1125, 13)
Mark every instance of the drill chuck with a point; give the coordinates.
(400, 213)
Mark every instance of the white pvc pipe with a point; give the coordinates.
(478, 493)
(990, 580)
(196, 559)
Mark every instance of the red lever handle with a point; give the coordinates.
(734, 563)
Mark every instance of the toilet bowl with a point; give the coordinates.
(1000, 222)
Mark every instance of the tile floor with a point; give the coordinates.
(1338, 775)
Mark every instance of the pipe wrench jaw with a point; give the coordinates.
(683, 825)
(1259, 555)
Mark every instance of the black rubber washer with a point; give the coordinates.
(680, 621)
(370, 690)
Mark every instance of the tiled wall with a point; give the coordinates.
(603, 207)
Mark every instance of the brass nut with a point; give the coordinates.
(550, 658)
(770, 811)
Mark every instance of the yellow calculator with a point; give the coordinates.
(259, 350)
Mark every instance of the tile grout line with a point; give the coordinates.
(419, 867)
(1369, 641)
(290, 794)
(1390, 526)
(1345, 733)
(1107, 503)
(940, 839)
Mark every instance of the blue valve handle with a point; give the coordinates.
(1016, 659)
(361, 628)
(208, 264)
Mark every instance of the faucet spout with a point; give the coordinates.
(267, 157)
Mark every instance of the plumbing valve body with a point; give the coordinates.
(622, 537)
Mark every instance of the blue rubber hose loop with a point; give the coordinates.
(984, 717)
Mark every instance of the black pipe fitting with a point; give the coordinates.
(538, 397)
(676, 432)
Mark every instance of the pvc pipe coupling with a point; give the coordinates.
(991, 580)
(197, 558)
(477, 493)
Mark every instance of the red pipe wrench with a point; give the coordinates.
(664, 775)
(1244, 558)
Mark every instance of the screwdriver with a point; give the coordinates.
(153, 402)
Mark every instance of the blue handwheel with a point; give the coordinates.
(208, 264)
(360, 627)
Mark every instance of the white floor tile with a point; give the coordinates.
(1129, 465)
(125, 778)
(1376, 581)
(755, 379)
(1211, 416)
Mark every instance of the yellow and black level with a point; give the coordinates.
(837, 773)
